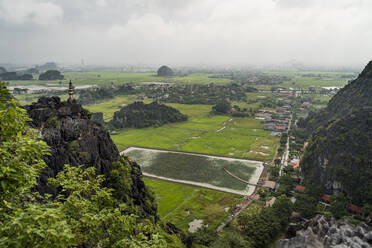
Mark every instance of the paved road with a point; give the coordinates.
(285, 156)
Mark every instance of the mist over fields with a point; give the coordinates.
(194, 32)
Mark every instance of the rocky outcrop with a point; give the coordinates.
(339, 156)
(320, 232)
(51, 75)
(98, 117)
(74, 139)
(15, 76)
(139, 115)
(165, 71)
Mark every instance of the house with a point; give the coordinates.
(269, 126)
(355, 210)
(325, 199)
(269, 184)
(300, 189)
(295, 163)
(280, 128)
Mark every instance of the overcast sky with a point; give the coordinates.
(186, 32)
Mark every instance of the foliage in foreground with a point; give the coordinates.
(84, 213)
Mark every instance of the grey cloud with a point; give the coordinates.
(186, 32)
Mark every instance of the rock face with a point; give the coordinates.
(320, 232)
(165, 71)
(73, 138)
(338, 156)
(51, 75)
(76, 140)
(98, 117)
(141, 115)
(353, 97)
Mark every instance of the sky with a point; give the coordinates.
(186, 32)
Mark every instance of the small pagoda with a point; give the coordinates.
(71, 92)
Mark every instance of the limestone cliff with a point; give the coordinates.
(76, 140)
(339, 155)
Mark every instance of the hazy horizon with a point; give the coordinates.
(186, 33)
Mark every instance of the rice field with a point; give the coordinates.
(197, 169)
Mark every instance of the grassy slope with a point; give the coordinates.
(175, 199)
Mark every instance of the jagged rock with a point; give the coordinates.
(368, 236)
(76, 140)
(321, 232)
(303, 239)
(98, 117)
(139, 115)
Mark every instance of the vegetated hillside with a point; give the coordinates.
(165, 71)
(98, 198)
(339, 156)
(354, 96)
(139, 115)
(15, 76)
(51, 75)
(76, 140)
(339, 153)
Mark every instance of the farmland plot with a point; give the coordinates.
(196, 169)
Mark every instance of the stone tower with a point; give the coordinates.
(71, 92)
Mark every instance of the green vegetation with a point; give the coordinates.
(306, 79)
(232, 141)
(140, 115)
(195, 168)
(82, 212)
(241, 137)
(181, 204)
(109, 107)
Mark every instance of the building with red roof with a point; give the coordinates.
(300, 188)
(325, 199)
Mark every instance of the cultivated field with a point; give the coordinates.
(200, 170)
(241, 137)
(181, 204)
(112, 77)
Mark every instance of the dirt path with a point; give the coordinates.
(224, 125)
(237, 210)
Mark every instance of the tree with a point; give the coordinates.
(21, 150)
(222, 107)
(277, 161)
(274, 171)
(84, 213)
(204, 236)
(339, 203)
(231, 239)
(306, 205)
